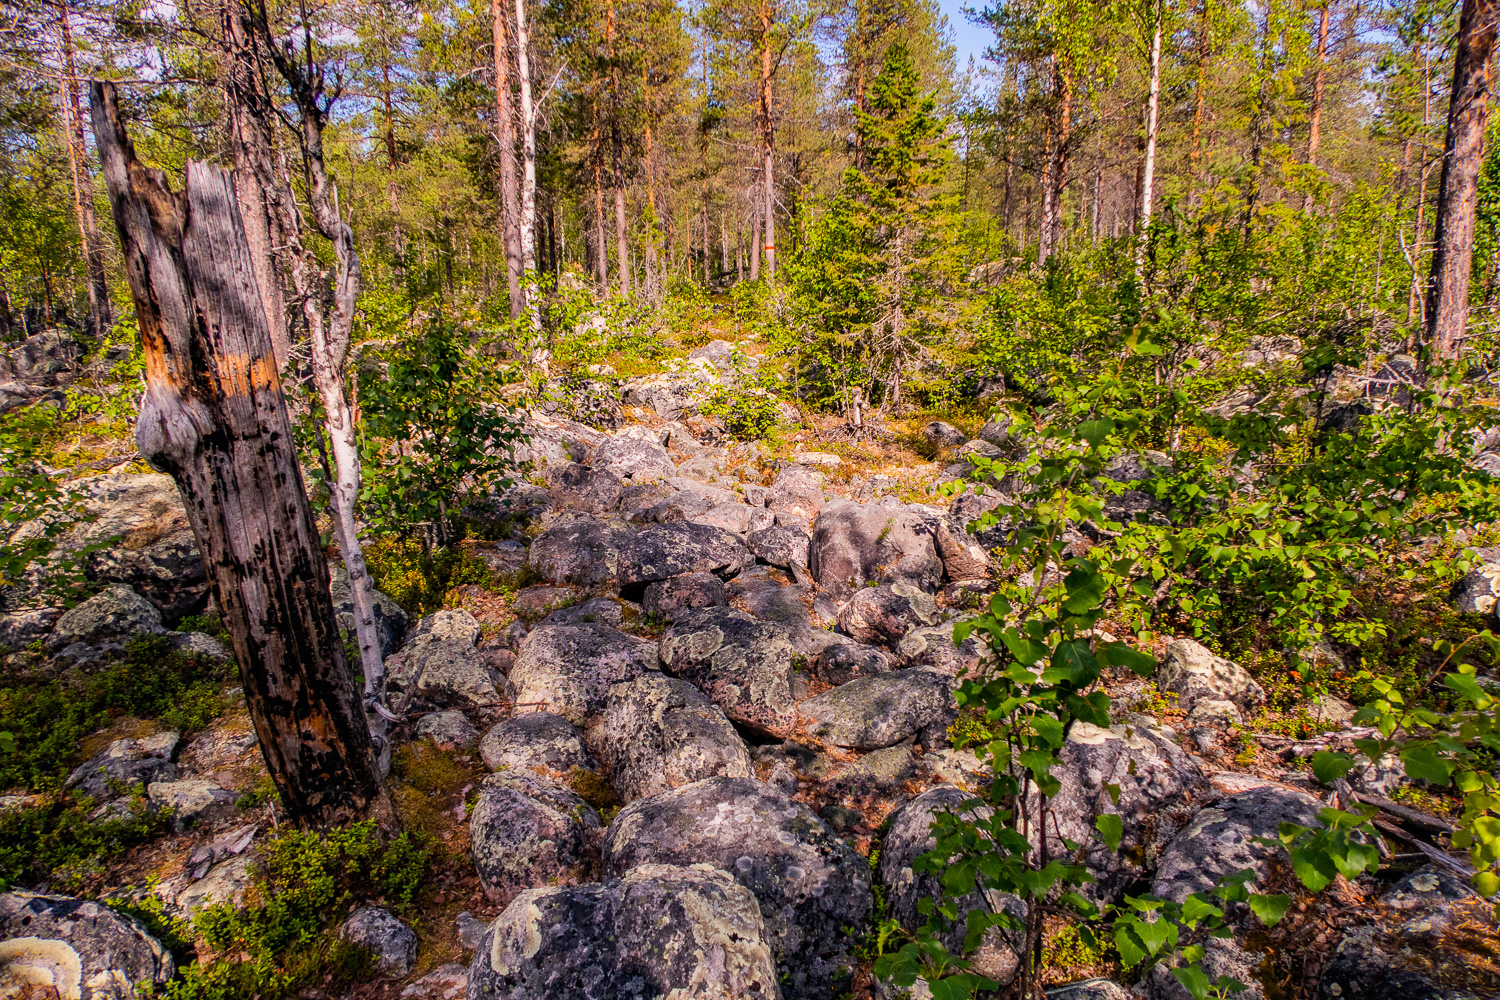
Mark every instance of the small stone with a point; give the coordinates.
(393, 944)
(450, 730)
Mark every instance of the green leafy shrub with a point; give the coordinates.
(60, 836)
(281, 942)
(48, 717)
(434, 427)
(417, 578)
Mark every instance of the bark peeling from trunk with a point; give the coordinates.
(214, 418)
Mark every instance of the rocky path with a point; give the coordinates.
(717, 723)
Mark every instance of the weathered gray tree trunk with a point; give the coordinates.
(214, 418)
(250, 115)
(1458, 191)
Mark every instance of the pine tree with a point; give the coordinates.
(876, 262)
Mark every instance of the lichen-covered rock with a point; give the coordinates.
(442, 663)
(567, 669)
(882, 710)
(1191, 671)
(842, 662)
(883, 615)
(225, 882)
(612, 611)
(113, 615)
(660, 733)
(449, 981)
(658, 932)
(857, 544)
(942, 435)
(126, 763)
(933, 648)
(392, 943)
(668, 599)
(527, 831)
(1090, 989)
(77, 948)
(144, 536)
(678, 547)
(192, 801)
(535, 741)
(742, 519)
(580, 488)
(1225, 838)
(782, 546)
(963, 556)
(798, 491)
(1409, 946)
(533, 603)
(1477, 592)
(450, 730)
(578, 550)
(790, 607)
(636, 457)
(553, 441)
(1160, 787)
(910, 836)
(811, 886)
(743, 665)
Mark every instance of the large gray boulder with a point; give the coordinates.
(783, 546)
(933, 649)
(634, 454)
(659, 931)
(126, 763)
(442, 664)
(568, 669)
(1478, 591)
(678, 547)
(743, 665)
(854, 545)
(789, 606)
(113, 615)
(578, 550)
(883, 615)
(75, 948)
(144, 539)
(798, 491)
(742, 519)
(882, 710)
(580, 488)
(1225, 838)
(671, 598)
(526, 831)
(1160, 787)
(552, 440)
(535, 741)
(1409, 945)
(909, 837)
(811, 886)
(44, 355)
(842, 662)
(660, 733)
(392, 944)
(1193, 672)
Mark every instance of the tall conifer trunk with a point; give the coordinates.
(505, 136)
(1463, 156)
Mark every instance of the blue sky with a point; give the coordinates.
(969, 37)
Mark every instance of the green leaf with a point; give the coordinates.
(1270, 909)
(1111, 828)
(1193, 979)
(1085, 589)
(1094, 431)
(1423, 763)
(1465, 685)
(1049, 729)
(1329, 767)
(1073, 662)
(1132, 952)
(1117, 654)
